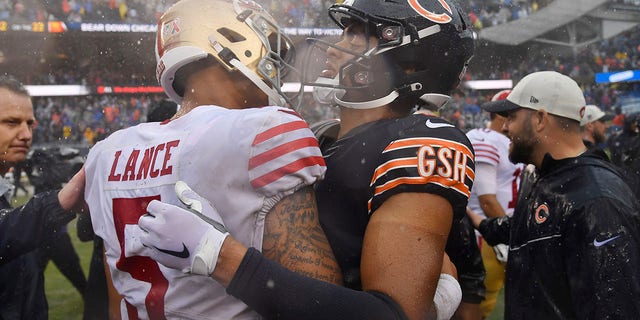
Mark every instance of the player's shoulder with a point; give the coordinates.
(326, 131)
(272, 112)
(432, 129)
(270, 117)
(486, 136)
(284, 153)
(116, 138)
(480, 133)
(420, 124)
(419, 134)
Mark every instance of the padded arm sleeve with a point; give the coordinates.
(462, 248)
(278, 293)
(485, 181)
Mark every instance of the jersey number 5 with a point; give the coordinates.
(514, 188)
(128, 211)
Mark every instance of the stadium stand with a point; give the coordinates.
(69, 60)
(291, 13)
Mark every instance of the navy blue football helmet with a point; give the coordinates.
(422, 52)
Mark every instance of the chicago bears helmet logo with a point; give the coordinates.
(435, 17)
(542, 213)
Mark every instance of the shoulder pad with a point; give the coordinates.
(326, 132)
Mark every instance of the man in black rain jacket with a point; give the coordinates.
(575, 234)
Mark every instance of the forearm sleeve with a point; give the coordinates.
(495, 230)
(25, 228)
(278, 293)
(463, 251)
(485, 181)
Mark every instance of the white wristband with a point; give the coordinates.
(448, 296)
(206, 255)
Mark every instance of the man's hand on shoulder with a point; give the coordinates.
(71, 196)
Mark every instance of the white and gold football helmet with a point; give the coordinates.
(239, 34)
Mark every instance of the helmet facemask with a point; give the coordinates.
(403, 66)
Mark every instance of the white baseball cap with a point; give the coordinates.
(549, 90)
(496, 101)
(591, 114)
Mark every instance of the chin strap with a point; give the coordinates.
(369, 104)
(436, 99)
(275, 99)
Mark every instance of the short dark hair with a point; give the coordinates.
(12, 84)
(162, 111)
(181, 76)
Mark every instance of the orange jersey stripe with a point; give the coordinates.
(435, 142)
(395, 163)
(455, 185)
(404, 163)
(449, 183)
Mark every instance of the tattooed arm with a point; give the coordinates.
(296, 276)
(293, 238)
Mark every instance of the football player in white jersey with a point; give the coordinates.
(222, 61)
(494, 194)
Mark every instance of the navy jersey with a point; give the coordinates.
(379, 159)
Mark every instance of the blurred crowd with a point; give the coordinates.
(60, 118)
(289, 13)
(487, 13)
(103, 114)
(129, 11)
(84, 120)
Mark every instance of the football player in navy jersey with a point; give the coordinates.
(395, 182)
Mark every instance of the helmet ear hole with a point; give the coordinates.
(231, 35)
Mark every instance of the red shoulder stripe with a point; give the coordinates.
(291, 112)
(281, 150)
(278, 130)
(286, 170)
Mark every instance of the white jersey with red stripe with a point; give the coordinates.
(492, 148)
(243, 161)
